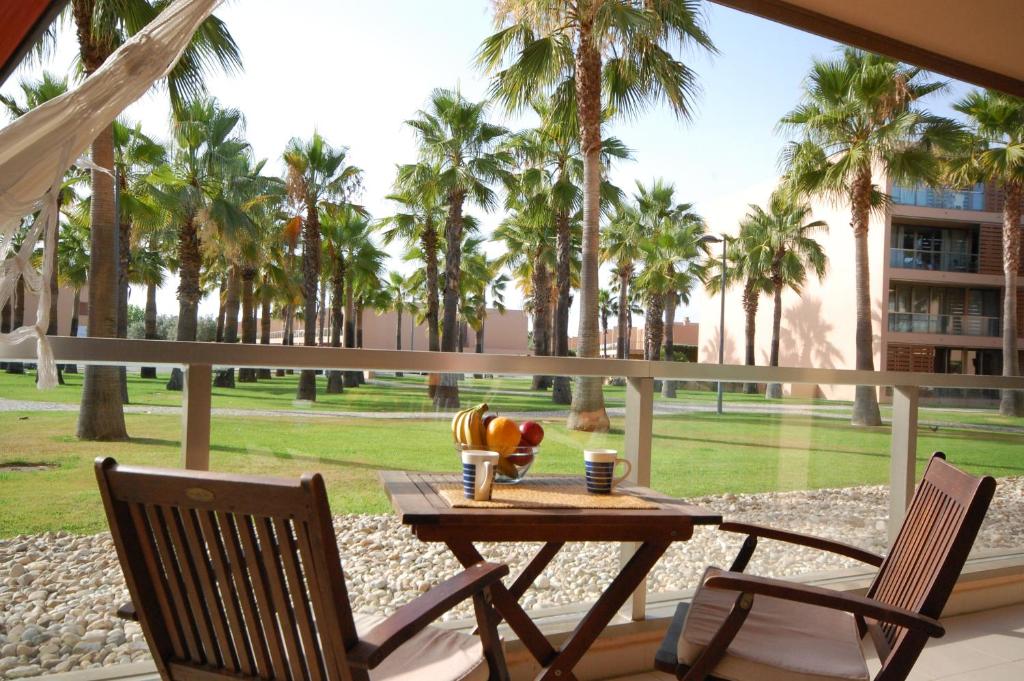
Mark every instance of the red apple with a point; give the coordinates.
(487, 419)
(532, 433)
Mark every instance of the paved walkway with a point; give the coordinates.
(661, 408)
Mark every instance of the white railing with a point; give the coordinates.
(199, 359)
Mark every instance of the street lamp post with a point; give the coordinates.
(712, 239)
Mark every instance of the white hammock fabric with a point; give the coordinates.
(37, 148)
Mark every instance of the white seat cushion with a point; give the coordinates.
(779, 639)
(434, 653)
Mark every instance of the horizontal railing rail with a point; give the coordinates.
(119, 352)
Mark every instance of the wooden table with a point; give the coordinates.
(417, 502)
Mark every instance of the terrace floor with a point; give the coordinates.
(982, 646)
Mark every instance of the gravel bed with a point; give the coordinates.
(59, 592)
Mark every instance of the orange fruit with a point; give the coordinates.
(503, 435)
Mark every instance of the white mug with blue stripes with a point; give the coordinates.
(600, 465)
(478, 466)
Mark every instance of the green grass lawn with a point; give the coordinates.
(694, 454)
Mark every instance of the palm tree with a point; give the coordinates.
(790, 250)
(454, 134)
(530, 255)
(135, 157)
(347, 232)
(73, 265)
(607, 306)
(552, 152)
(748, 267)
(148, 268)
(621, 246)
(398, 291)
(101, 26)
(318, 174)
(996, 154)
(859, 112)
(193, 190)
(591, 57)
(419, 192)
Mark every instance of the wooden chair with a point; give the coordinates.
(236, 577)
(745, 628)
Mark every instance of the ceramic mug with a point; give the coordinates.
(478, 467)
(600, 464)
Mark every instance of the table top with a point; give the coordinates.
(418, 504)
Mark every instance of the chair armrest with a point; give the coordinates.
(127, 612)
(413, 617)
(826, 598)
(805, 540)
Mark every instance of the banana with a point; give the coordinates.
(468, 426)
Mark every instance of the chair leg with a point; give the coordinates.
(719, 644)
(743, 557)
(487, 627)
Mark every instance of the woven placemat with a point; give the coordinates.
(525, 495)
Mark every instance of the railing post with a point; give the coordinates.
(639, 433)
(903, 465)
(195, 416)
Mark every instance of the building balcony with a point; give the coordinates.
(948, 199)
(945, 324)
(937, 261)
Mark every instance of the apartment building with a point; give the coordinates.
(936, 292)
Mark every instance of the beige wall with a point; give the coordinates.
(504, 333)
(819, 324)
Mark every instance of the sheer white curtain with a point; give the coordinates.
(37, 148)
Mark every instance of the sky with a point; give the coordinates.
(356, 71)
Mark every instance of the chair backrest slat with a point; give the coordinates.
(231, 577)
(928, 554)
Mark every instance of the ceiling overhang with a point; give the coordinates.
(978, 41)
(22, 23)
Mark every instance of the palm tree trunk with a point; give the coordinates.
(1011, 402)
(622, 340)
(587, 411)
(17, 321)
(774, 390)
(222, 311)
(189, 293)
(561, 387)
(265, 320)
(447, 393)
(323, 308)
(310, 282)
(750, 305)
(101, 416)
(398, 331)
(76, 302)
(668, 386)
(150, 326)
(654, 329)
(52, 328)
(124, 247)
(360, 376)
(480, 337)
(430, 255)
(248, 319)
(865, 401)
(350, 379)
(5, 325)
(335, 384)
(541, 324)
(225, 378)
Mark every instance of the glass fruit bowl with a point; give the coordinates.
(513, 467)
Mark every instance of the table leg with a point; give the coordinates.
(595, 621)
(532, 571)
(508, 607)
